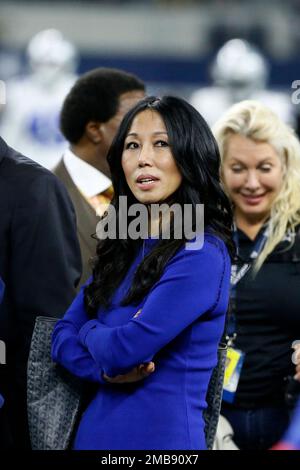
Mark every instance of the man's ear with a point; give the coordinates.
(93, 131)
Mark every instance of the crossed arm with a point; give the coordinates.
(189, 287)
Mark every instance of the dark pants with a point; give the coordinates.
(256, 429)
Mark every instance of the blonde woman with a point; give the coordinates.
(261, 174)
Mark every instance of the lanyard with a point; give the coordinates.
(237, 273)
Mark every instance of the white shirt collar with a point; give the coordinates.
(87, 178)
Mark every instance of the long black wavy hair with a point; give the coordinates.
(197, 157)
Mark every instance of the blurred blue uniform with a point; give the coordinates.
(291, 439)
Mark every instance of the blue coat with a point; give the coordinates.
(178, 325)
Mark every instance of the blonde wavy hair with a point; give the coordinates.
(255, 121)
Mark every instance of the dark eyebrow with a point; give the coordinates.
(134, 134)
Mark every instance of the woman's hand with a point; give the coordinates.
(137, 373)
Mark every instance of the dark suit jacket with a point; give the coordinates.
(40, 265)
(86, 220)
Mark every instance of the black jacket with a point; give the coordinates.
(40, 265)
(267, 322)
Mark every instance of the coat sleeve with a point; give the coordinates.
(2, 287)
(190, 286)
(45, 255)
(67, 350)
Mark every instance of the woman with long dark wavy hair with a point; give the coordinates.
(146, 327)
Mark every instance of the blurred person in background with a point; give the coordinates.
(261, 173)
(30, 120)
(240, 72)
(10, 66)
(90, 117)
(291, 438)
(40, 267)
(224, 439)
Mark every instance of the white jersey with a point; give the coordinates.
(29, 121)
(213, 102)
